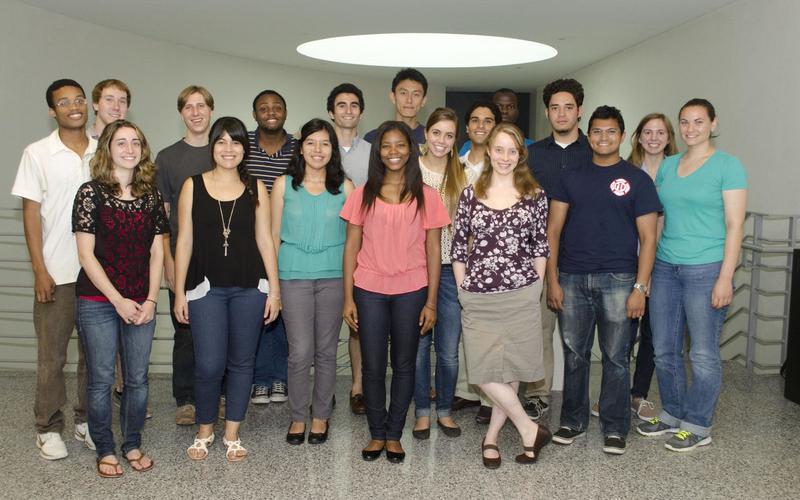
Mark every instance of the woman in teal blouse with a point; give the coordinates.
(309, 236)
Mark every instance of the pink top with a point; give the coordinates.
(392, 256)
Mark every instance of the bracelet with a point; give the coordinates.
(151, 300)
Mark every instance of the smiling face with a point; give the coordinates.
(270, 113)
(605, 137)
(696, 126)
(70, 110)
(228, 153)
(346, 111)
(395, 150)
(441, 137)
(408, 98)
(503, 154)
(654, 136)
(126, 148)
(112, 105)
(563, 112)
(196, 114)
(317, 150)
(480, 123)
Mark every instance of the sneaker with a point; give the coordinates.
(595, 409)
(655, 427)
(277, 393)
(686, 441)
(51, 446)
(260, 395)
(565, 435)
(614, 445)
(484, 415)
(185, 415)
(82, 434)
(643, 408)
(535, 407)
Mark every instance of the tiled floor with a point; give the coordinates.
(755, 454)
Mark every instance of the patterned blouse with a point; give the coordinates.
(504, 242)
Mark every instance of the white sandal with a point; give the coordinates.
(234, 448)
(200, 444)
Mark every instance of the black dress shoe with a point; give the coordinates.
(543, 436)
(395, 456)
(370, 455)
(452, 432)
(357, 404)
(484, 415)
(295, 438)
(421, 433)
(318, 437)
(461, 403)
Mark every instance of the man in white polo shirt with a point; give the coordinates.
(50, 173)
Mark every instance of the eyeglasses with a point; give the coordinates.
(78, 101)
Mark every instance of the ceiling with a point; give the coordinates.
(583, 31)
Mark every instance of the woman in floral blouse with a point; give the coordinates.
(499, 254)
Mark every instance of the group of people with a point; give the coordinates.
(268, 242)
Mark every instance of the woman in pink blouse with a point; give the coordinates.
(391, 272)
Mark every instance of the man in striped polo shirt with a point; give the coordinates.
(271, 150)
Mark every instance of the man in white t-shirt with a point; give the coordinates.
(50, 173)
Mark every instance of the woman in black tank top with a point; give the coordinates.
(225, 266)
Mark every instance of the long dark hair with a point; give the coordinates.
(238, 132)
(412, 177)
(334, 174)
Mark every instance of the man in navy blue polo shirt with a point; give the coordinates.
(602, 235)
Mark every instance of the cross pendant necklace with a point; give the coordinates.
(226, 229)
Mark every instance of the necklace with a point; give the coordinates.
(226, 230)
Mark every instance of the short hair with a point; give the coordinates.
(505, 90)
(607, 113)
(195, 89)
(413, 75)
(59, 84)
(268, 92)
(98, 89)
(563, 85)
(498, 116)
(344, 88)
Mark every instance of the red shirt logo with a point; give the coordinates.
(620, 187)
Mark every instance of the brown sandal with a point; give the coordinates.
(102, 461)
(137, 461)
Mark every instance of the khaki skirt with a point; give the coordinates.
(502, 335)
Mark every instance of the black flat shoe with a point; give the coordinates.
(318, 437)
(543, 436)
(452, 432)
(490, 463)
(297, 437)
(371, 455)
(421, 433)
(395, 456)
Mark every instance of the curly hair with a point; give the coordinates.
(102, 166)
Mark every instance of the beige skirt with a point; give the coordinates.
(502, 335)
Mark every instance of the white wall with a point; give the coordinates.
(37, 47)
(744, 59)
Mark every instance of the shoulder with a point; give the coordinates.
(171, 151)
(727, 159)
(89, 188)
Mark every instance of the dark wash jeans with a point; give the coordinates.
(388, 322)
(182, 359)
(596, 300)
(103, 332)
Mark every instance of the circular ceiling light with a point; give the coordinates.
(427, 50)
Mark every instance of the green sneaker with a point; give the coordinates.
(655, 427)
(686, 441)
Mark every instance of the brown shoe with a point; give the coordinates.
(461, 403)
(357, 404)
(185, 415)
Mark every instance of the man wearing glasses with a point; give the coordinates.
(49, 175)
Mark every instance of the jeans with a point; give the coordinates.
(182, 359)
(272, 356)
(226, 324)
(103, 332)
(382, 318)
(445, 336)
(681, 297)
(596, 300)
(645, 363)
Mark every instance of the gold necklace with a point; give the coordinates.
(226, 230)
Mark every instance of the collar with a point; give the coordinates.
(580, 141)
(55, 145)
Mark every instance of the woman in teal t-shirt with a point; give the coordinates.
(310, 238)
(704, 194)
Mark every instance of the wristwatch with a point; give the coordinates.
(641, 287)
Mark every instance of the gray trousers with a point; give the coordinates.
(312, 314)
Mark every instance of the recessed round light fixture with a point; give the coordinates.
(427, 50)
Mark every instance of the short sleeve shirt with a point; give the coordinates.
(392, 259)
(355, 161)
(694, 213)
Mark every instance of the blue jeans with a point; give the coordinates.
(596, 300)
(102, 333)
(382, 318)
(225, 325)
(681, 297)
(272, 356)
(445, 336)
(645, 363)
